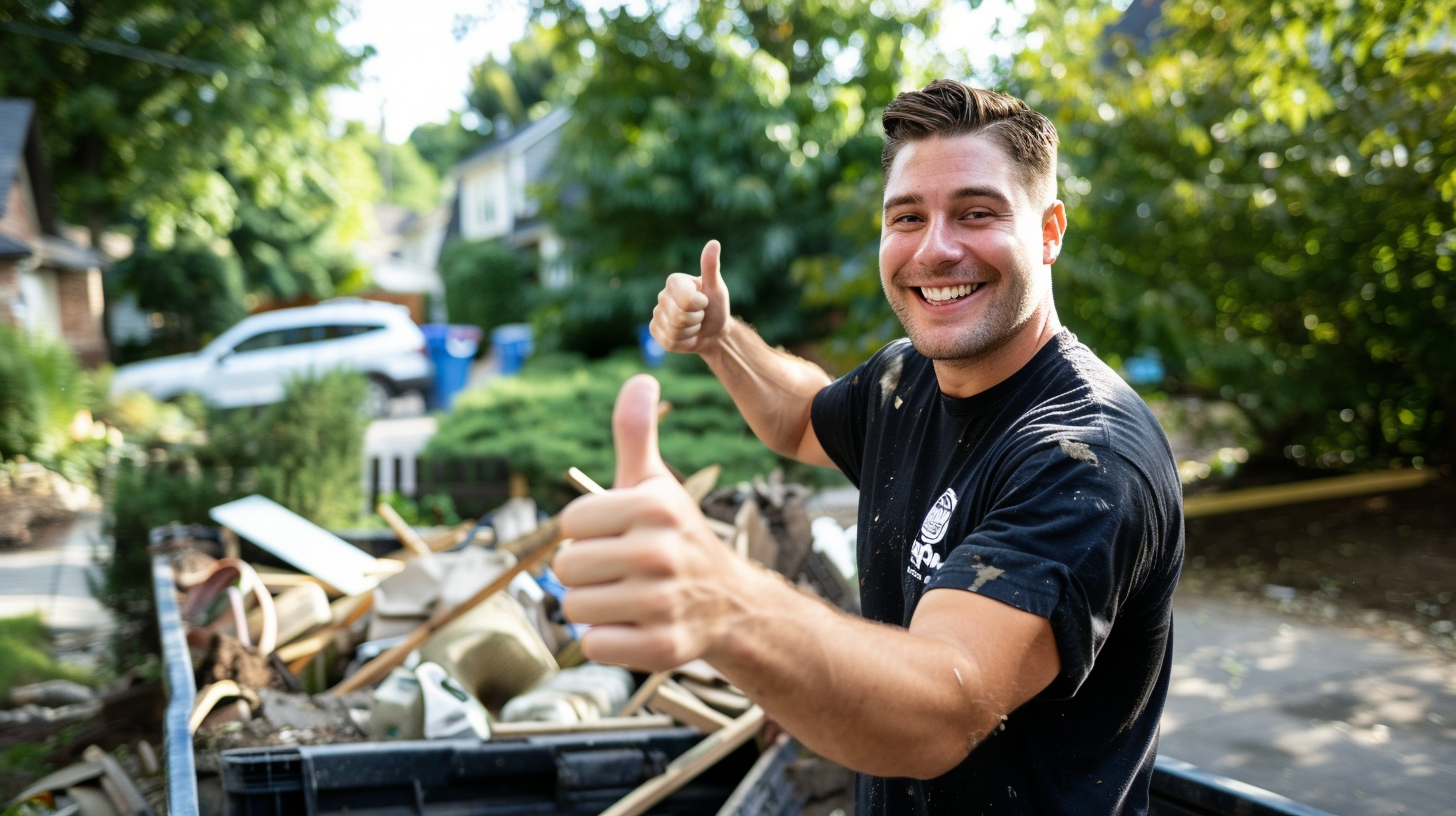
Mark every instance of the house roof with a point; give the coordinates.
(11, 247)
(519, 140)
(15, 115)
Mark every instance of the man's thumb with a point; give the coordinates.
(710, 265)
(634, 430)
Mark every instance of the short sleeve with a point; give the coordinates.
(842, 410)
(1067, 536)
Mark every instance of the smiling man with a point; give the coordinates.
(1021, 525)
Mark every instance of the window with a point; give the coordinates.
(258, 342)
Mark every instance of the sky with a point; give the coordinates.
(420, 71)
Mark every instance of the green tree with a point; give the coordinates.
(1264, 193)
(750, 122)
(516, 91)
(486, 283)
(442, 144)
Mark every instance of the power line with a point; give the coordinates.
(140, 54)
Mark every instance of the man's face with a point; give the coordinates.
(964, 247)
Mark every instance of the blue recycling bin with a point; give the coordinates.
(652, 352)
(451, 348)
(512, 344)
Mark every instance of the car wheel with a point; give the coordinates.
(377, 395)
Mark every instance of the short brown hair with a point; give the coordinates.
(946, 107)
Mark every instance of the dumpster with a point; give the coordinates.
(451, 348)
(512, 345)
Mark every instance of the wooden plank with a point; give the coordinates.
(535, 729)
(298, 610)
(644, 693)
(405, 533)
(531, 549)
(1338, 487)
(687, 767)
(677, 701)
(583, 482)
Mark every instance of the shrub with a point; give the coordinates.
(42, 388)
(557, 414)
(485, 283)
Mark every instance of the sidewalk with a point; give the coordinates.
(49, 576)
(1331, 717)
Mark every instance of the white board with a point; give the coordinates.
(300, 542)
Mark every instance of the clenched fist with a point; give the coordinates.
(692, 311)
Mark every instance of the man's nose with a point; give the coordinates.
(939, 245)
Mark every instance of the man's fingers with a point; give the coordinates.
(710, 265)
(682, 291)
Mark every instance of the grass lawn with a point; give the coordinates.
(25, 656)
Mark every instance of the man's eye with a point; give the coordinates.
(905, 218)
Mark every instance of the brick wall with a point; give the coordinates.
(9, 290)
(82, 305)
(19, 219)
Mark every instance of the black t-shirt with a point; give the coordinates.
(1054, 491)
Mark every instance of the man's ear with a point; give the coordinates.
(1053, 227)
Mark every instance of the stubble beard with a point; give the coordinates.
(1011, 305)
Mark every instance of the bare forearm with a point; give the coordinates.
(875, 698)
(773, 390)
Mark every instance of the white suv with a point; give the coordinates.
(251, 363)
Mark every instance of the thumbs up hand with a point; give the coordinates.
(644, 570)
(692, 312)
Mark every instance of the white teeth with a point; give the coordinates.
(941, 294)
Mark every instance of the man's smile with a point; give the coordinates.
(943, 295)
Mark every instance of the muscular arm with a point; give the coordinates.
(772, 389)
(660, 589)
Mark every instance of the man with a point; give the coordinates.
(1020, 524)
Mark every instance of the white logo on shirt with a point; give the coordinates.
(922, 553)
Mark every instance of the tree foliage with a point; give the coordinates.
(485, 283)
(204, 128)
(750, 122)
(1263, 192)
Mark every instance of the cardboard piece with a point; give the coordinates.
(300, 542)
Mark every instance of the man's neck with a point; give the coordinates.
(966, 378)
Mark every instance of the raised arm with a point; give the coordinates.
(772, 389)
(660, 589)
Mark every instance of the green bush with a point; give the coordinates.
(557, 414)
(26, 645)
(42, 388)
(485, 283)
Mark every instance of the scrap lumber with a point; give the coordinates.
(755, 776)
(530, 550)
(728, 699)
(120, 788)
(513, 730)
(687, 767)
(406, 534)
(343, 613)
(1337, 487)
(644, 693)
(583, 482)
(680, 703)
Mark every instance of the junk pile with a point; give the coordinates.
(305, 648)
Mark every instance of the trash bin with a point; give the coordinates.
(512, 344)
(652, 353)
(451, 348)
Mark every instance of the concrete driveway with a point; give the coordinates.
(1332, 717)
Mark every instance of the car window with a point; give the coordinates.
(304, 334)
(352, 330)
(258, 342)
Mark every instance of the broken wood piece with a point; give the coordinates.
(687, 767)
(753, 538)
(721, 529)
(530, 549)
(677, 701)
(513, 730)
(729, 700)
(298, 610)
(405, 533)
(277, 579)
(91, 800)
(212, 694)
(644, 693)
(1338, 487)
(761, 768)
(120, 788)
(583, 482)
(342, 613)
(700, 484)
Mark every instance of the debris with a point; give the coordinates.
(581, 694)
(227, 659)
(120, 788)
(213, 693)
(300, 542)
(677, 701)
(493, 650)
(406, 534)
(687, 767)
(449, 710)
(51, 694)
(298, 610)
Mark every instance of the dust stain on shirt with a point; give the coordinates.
(890, 380)
(1078, 450)
(985, 574)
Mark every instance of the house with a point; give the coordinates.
(494, 201)
(49, 285)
